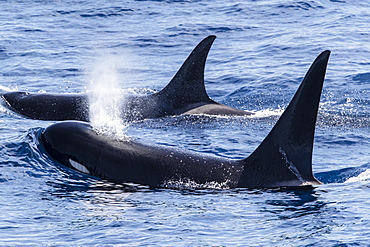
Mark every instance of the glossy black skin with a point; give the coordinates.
(283, 159)
(185, 94)
(48, 106)
(132, 161)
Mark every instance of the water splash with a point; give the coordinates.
(8, 89)
(105, 96)
(186, 183)
(364, 176)
(267, 113)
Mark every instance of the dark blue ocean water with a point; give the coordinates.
(262, 52)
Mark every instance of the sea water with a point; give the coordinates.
(262, 52)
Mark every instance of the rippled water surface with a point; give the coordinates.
(262, 51)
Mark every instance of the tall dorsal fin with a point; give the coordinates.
(286, 153)
(187, 86)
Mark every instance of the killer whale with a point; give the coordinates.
(283, 159)
(184, 94)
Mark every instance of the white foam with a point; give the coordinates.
(3, 109)
(361, 177)
(267, 113)
(8, 89)
(185, 183)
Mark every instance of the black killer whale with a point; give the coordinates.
(184, 94)
(283, 159)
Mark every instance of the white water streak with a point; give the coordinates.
(291, 166)
(267, 113)
(363, 176)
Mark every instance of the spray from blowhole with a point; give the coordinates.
(105, 97)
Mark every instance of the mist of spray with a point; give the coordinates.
(105, 96)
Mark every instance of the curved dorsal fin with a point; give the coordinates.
(187, 86)
(286, 153)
